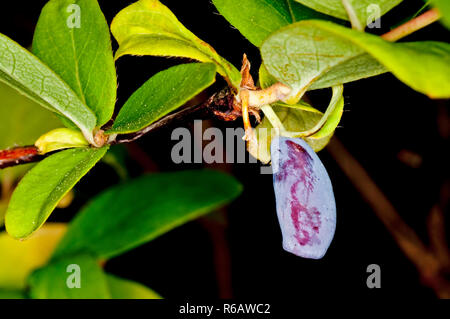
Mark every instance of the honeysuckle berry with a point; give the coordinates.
(305, 201)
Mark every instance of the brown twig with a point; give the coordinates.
(19, 155)
(436, 233)
(403, 234)
(142, 158)
(216, 224)
(425, 260)
(229, 114)
(180, 114)
(221, 253)
(220, 105)
(412, 25)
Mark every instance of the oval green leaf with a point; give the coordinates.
(44, 185)
(26, 73)
(148, 27)
(300, 54)
(145, 208)
(161, 94)
(72, 37)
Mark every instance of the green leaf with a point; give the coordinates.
(80, 54)
(24, 72)
(298, 55)
(308, 58)
(54, 280)
(358, 67)
(361, 8)
(443, 7)
(257, 19)
(59, 139)
(144, 209)
(147, 27)
(20, 258)
(42, 188)
(161, 94)
(126, 289)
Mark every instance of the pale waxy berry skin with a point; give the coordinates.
(305, 201)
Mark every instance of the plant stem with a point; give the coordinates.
(19, 155)
(356, 24)
(273, 118)
(426, 262)
(412, 25)
(181, 114)
(7, 159)
(432, 265)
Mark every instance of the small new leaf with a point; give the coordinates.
(59, 139)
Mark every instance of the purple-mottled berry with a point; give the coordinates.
(305, 202)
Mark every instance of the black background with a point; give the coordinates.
(383, 117)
